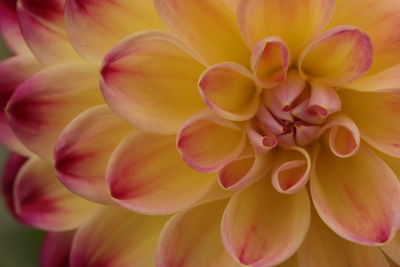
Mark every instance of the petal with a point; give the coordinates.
(192, 239)
(392, 249)
(292, 20)
(98, 242)
(56, 248)
(262, 140)
(323, 248)
(94, 27)
(194, 22)
(380, 20)
(357, 197)
(9, 27)
(339, 56)
(250, 235)
(146, 174)
(245, 170)
(377, 117)
(43, 105)
(42, 202)
(207, 143)
(151, 81)
(270, 61)
(83, 150)
(291, 170)
(235, 81)
(42, 23)
(324, 101)
(344, 137)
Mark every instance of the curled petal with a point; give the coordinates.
(151, 81)
(41, 201)
(245, 170)
(207, 143)
(146, 174)
(235, 81)
(83, 149)
(323, 248)
(56, 248)
(42, 23)
(95, 26)
(344, 136)
(196, 26)
(357, 197)
(305, 133)
(377, 117)
(249, 234)
(269, 121)
(270, 61)
(262, 140)
(324, 101)
(192, 239)
(340, 56)
(291, 170)
(43, 105)
(100, 242)
(392, 249)
(292, 20)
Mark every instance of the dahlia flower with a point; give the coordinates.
(204, 133)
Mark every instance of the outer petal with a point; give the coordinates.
(380, 20)
(10, 80)
(56, 248)
(192, 239)
(207, 143)
(83, 150)
(291, 170)
(9, 27)
(323, 248)
(194, 22)
(392, 249)
(340, 56)
(95, 26)
(41, 201)
(229, 90)
(295, 21)
(146, 174)
(377, 117)
(42, 23)
(151, 81)
(262, 227)
(42, 106)
(100, 242)
(358, 197)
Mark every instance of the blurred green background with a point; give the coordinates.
(19, 245)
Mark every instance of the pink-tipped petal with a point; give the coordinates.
(42, 201)
(269, 121)
(344, 137)
(146, 174)
(56, 248)
(291, 170)
(295, 21)
(245, 170)
(270, 61)
(262, 140)
(392, 249)
(95, 26)
(43, 105)
(252, 237)
(357, 197)
(324, 101)
(207, 143)
(324, 248)
(116, 237)
(208, 26)
(305, 133)
(377, 115)
(83, 149)
(192, 239)
(235, 81)
(150, 80)
(42, 24)
(339, 56)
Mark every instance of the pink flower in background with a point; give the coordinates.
(204, 133)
